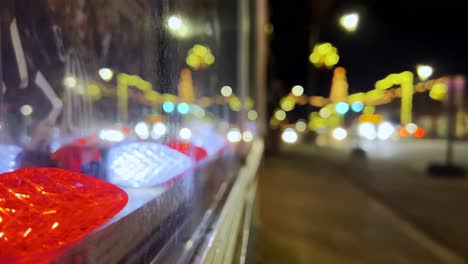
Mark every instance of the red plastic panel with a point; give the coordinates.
(74, 156)
(44, 209)
(188, 149)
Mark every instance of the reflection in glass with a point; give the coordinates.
(145, 164)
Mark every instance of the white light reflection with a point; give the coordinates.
(280, 115)
(289, 136)
(8, 160)
(226, 91)
(424, 72)
(252, 115)
(70, 81)
(367, 130)
(159, 130)
(340, 133)
(174, 22)
(185, 133)
(26, 110)
(234, 135)
(106, 74)
(144, 164)
(301, 126)
(297, 90)
(385, 130)
(247, 136)
(178, 26)
(142, 130)
(350, 21)
(111, 135)
(324, 113)
(411, 127)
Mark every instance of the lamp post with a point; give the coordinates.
(449, 168)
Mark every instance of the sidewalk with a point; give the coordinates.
(436, 206)
(308, 212)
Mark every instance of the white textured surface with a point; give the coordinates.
(145, 164)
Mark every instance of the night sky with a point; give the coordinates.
(391, 37)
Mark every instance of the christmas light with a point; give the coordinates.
(144, 164)
(339, 133)
(45, 209)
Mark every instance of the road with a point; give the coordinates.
(321, 205)
(417, 154)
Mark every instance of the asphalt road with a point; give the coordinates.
(417, 154)
(322, 205)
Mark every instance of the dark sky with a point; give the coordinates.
(392, 37)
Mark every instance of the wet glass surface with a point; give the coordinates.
(142, 94)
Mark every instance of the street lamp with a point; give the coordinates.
(349, 21)
(106, 74)
(226, 91)
(297, 90)
(177, 26)
(174, 22)
(424, 72)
